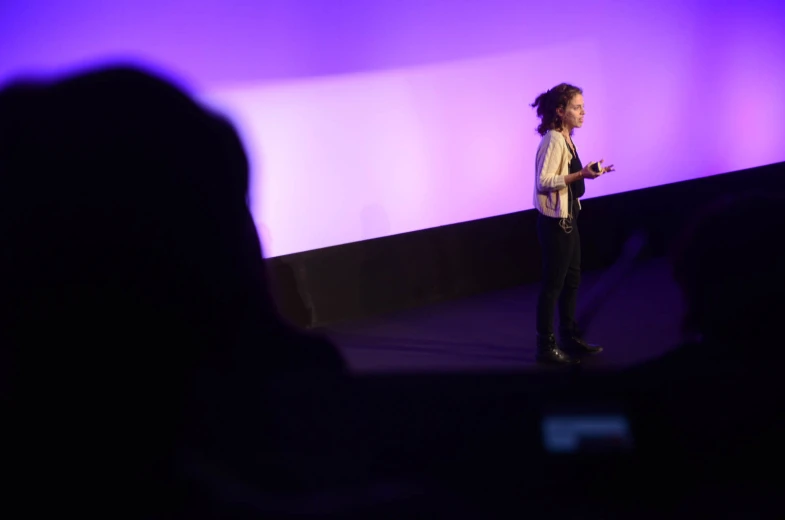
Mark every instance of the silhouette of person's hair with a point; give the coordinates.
(129, 265)
(714, 401)
(729, 268)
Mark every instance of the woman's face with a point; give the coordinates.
(572, 115)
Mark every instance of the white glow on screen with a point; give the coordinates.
(354, 157)
(366, 119)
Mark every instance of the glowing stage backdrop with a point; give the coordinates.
(365, 118)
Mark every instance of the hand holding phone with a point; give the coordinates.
(599, 168)
(591, 171)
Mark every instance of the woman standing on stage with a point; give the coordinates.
(559, 185)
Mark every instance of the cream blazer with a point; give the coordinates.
(552, 164)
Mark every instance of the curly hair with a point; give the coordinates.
(548, 102)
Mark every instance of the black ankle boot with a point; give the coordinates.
(548, 351)
(573, 342)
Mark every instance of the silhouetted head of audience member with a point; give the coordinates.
(729, 266)
(128, 262)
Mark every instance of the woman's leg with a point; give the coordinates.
(570, 336)
(556, 259)
(568, 299)
(555, 244)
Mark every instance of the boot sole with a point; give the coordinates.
(550, 361)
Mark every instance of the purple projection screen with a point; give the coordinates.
(369, 118)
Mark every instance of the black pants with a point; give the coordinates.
(561, 272)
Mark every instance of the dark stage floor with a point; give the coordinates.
(639, 320)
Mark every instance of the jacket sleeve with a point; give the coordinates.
(549, 161)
